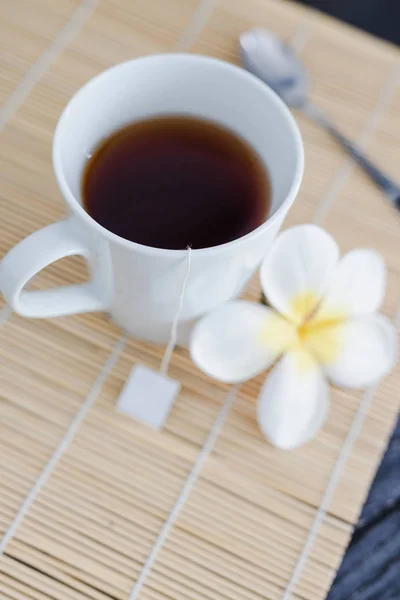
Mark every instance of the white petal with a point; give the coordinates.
(293, 401)
(296, 272)
(367, 351)
(239, 340)
(357, 286)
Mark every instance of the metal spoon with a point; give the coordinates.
(275, 63)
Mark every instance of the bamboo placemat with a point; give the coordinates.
(206, 509)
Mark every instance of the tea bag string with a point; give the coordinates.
(174, 328)
(5, 312)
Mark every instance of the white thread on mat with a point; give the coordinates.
(39, 68)
(329, 491)
(66, 440)
(369, 129)
(174, 329)
(303, 33)
(197, 23)
(187, 488)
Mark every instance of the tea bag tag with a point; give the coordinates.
(148, 396)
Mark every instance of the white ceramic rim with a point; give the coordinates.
(247, 79)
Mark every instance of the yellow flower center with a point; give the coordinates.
(313, 332)
(322, 338)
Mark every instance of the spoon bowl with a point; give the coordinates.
(275, 63)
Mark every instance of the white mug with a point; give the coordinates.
(137, 285)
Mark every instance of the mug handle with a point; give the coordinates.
(33, 254)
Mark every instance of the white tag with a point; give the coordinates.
(148, 396)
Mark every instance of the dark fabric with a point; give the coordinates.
(380, 17)
(371, 567)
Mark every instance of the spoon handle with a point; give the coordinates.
(388, 186)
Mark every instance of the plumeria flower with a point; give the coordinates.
(322, 324)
